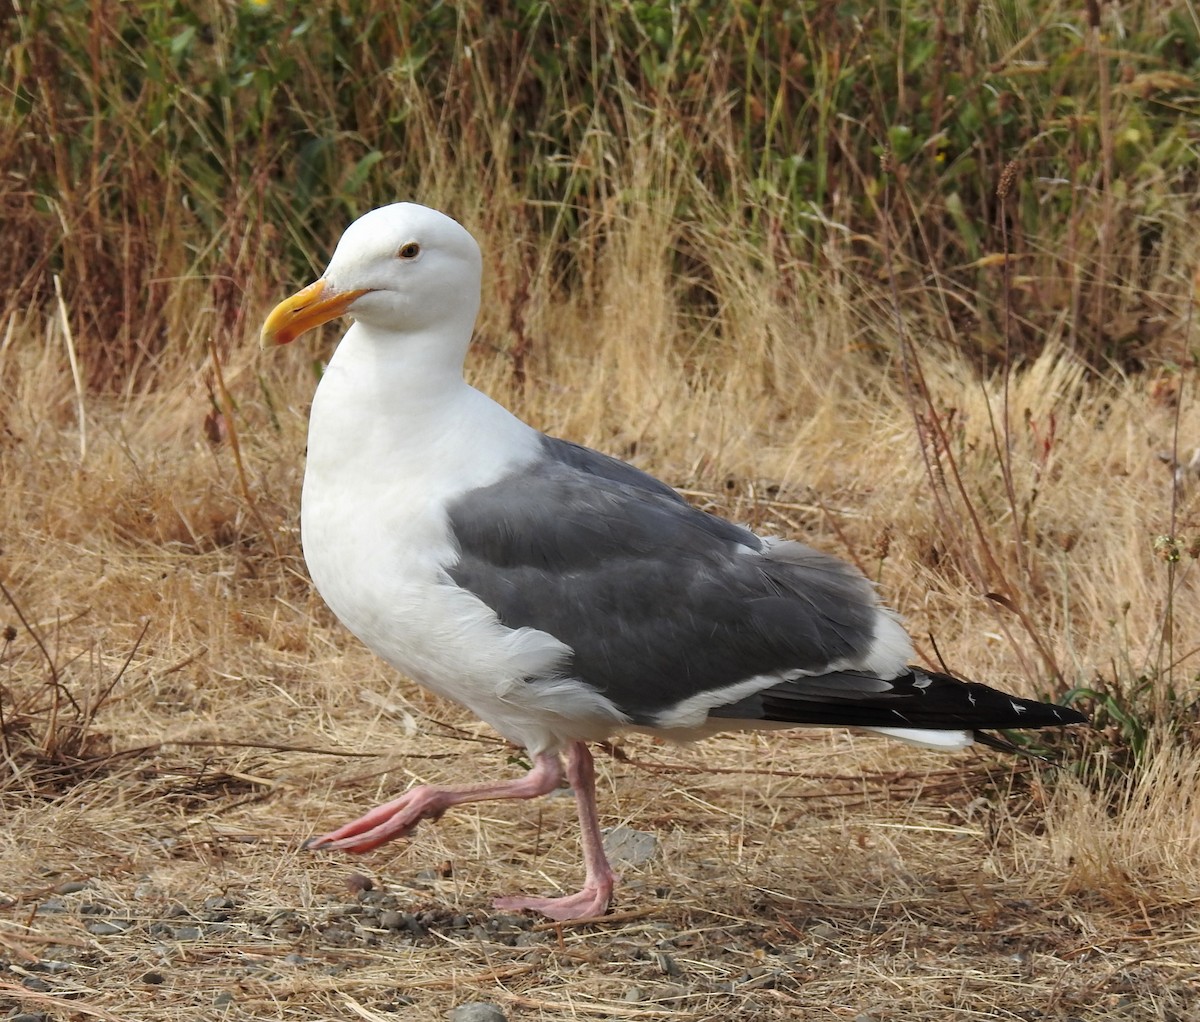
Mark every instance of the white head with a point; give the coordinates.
(399, 269)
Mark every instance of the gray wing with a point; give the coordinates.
(658, 601)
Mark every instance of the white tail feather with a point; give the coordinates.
(926, 738)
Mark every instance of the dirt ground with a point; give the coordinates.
(180, 712)
(797, 875)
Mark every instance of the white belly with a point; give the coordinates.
(377, 543)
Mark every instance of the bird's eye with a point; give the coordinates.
(409, 251)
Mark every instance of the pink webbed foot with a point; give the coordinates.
(592, 901)
(400, 817)
(397, 818)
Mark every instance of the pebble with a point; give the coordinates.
(28, 1016)
(759, 978)
(107, 928)
(185, 932)
(217, 910)
(219, 902)
(628, 847)
(666, 964)
(223, 999)
(72, 887)
(476, 1011)
(397, 1002)
(392, 920)
(356, 883)
(53, 905)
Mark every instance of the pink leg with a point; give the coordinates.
(599, 878)
(400, 817)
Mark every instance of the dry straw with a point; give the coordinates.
(179, 711)
(158, 855)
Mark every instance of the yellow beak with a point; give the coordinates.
(316, 304)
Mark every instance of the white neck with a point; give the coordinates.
(412, 370)
(395, 409)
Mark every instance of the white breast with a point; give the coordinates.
(377, 543)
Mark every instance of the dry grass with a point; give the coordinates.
(195, 712)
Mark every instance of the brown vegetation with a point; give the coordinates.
(178, 711)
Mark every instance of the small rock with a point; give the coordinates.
(153, 978)
(28, 1016)
(761, 977)
(633, 995)
(107, 928)
(185, 932)
(37, 985)
(219, 902)
(217, 910)
(356, 883)
(824, 931)
(72, 887)
(338, 936)
(292, 958)
(53, 905)
(629, 847)
(392, 920)
(666, 964)
(287, 924)
(476, 1011)
(397, 1002)
(223, 999)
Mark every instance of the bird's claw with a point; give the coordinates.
(588, 903)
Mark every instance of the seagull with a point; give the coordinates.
(560, 594)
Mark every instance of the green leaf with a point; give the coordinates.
(358, 174)
(181, 42)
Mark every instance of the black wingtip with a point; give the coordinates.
(1069, 715)
(1000, 744)
(1004, 745)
